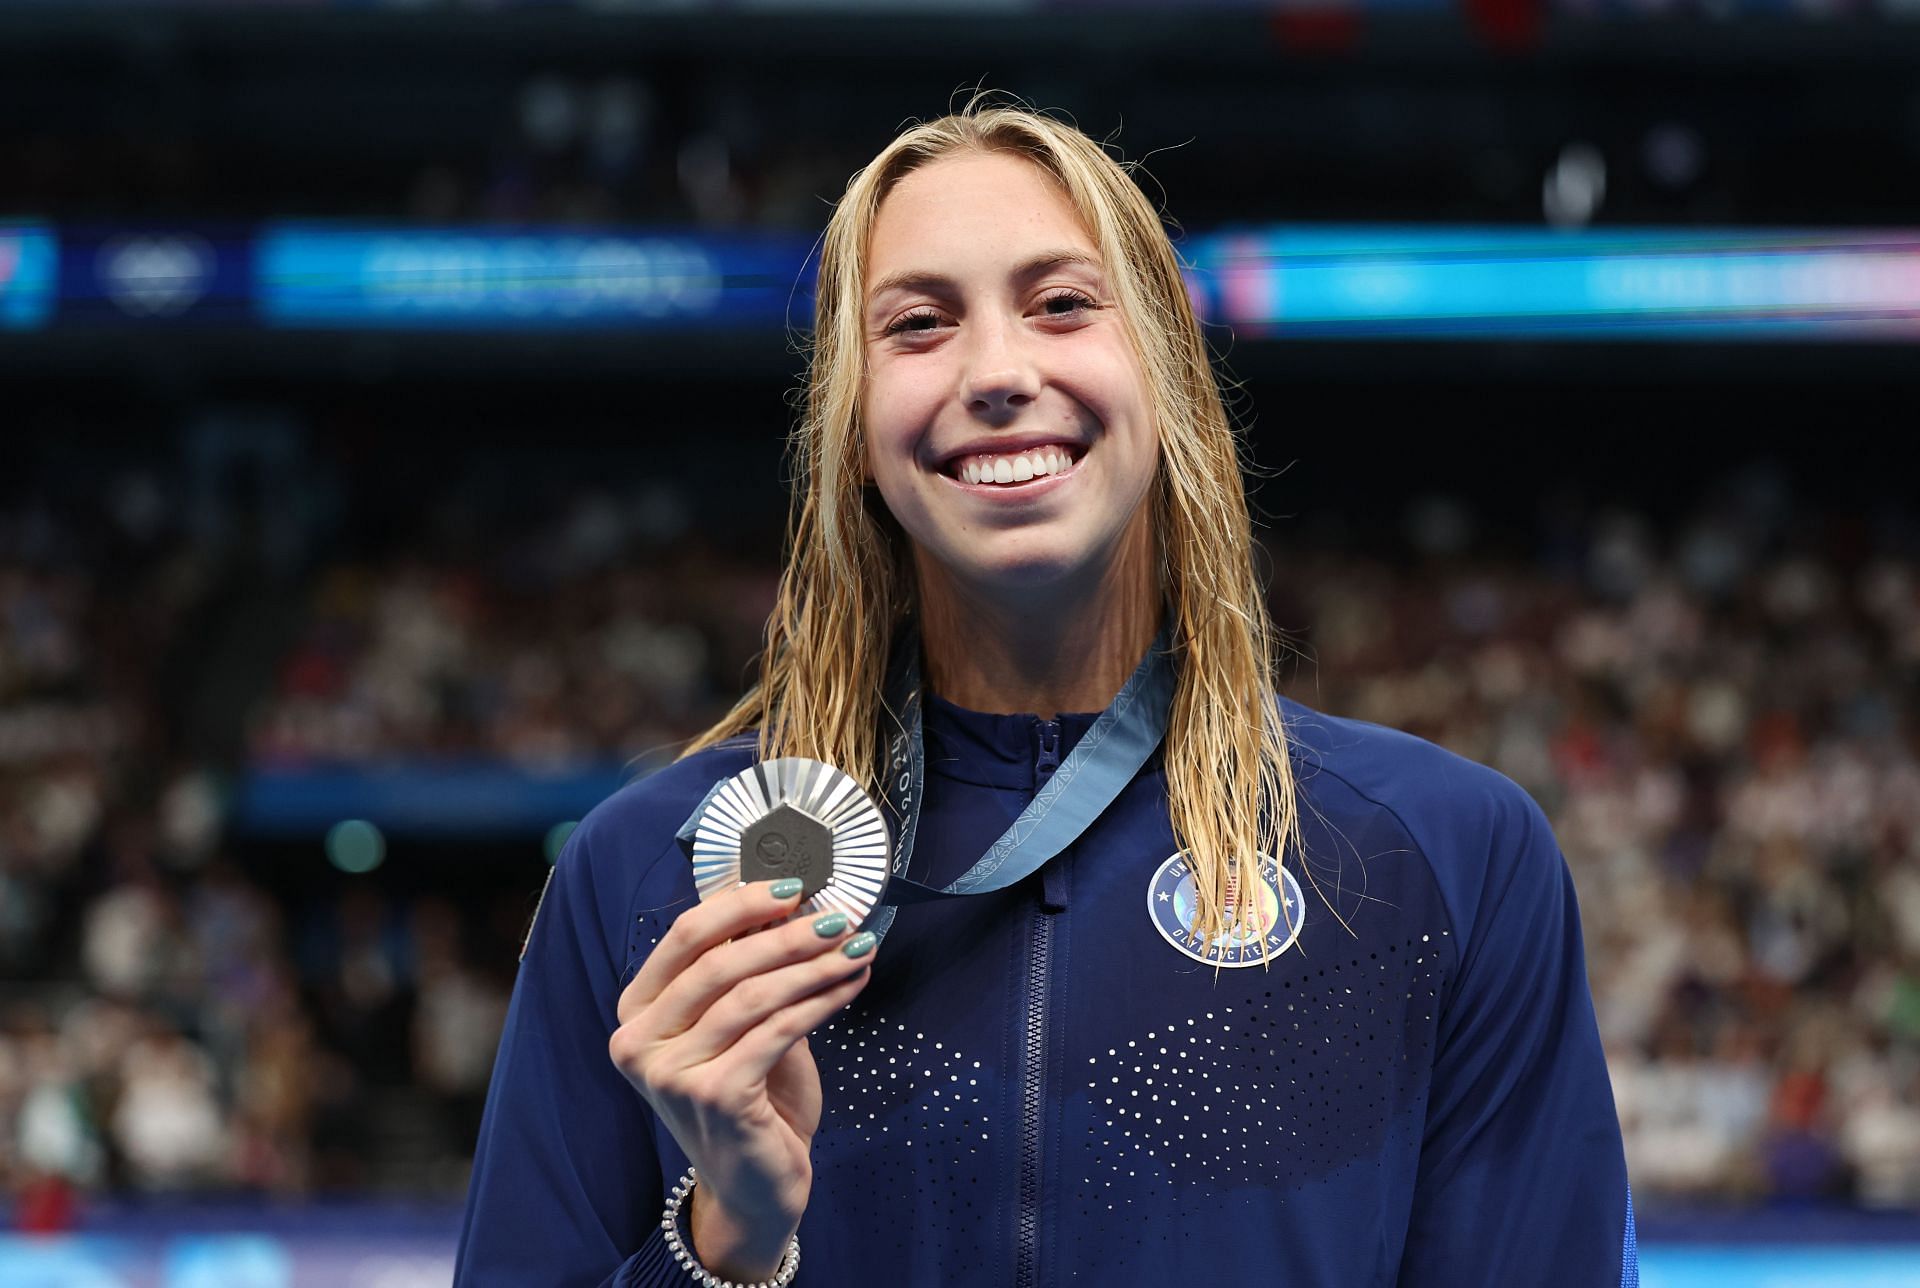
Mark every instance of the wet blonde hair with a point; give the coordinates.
(849, 584)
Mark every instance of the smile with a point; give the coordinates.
(1010, 469)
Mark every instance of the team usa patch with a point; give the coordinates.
(1173, 906)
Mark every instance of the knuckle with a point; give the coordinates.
(722, 959)
(702, 921)
(626, 1051)
(753, 996)
(789, 1025)
(709, 971)
(685, 930)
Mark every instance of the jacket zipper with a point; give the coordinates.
(1033, 1070)
(1032, 1075)
(1048, 758)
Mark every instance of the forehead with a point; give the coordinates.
(988, 207)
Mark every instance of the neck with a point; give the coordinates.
(1061, 648)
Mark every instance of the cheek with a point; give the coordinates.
(898, 415)
(1107, 374)
(883, 467)
(882, 459)
(875, 400)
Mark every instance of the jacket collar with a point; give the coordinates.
(993, 750)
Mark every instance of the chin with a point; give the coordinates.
(1029, 566)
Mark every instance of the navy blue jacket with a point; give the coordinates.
(1037, 1087)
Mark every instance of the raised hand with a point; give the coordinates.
(713, 1034)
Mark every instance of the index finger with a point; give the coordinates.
(727, 915)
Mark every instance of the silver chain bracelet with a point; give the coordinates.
(676, 1244)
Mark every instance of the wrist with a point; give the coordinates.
(732, 1246)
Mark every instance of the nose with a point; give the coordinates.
(999, 376)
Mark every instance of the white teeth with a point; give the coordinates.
(1016, 468)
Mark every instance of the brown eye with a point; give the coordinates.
(919, 320)
(1066, 304)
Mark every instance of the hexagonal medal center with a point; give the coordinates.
(788, 843)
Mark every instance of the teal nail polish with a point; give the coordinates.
(830, 925)
(860, 945)
(786, 888)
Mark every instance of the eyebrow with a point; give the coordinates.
(936, 283)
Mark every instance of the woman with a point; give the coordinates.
(1021, 582)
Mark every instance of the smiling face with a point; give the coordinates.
(1007, 421)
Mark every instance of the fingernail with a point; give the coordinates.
(786, 888)
(830, 925)
(860, 945)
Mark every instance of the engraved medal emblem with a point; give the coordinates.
(794, 817)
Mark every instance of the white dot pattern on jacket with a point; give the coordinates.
(1283, 1083)
(909, 1111)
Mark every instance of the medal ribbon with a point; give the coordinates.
(1100, 766)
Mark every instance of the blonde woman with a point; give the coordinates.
(1225, 991)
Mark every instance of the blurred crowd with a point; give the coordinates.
(1722, 719)
(1720, 712)
(597, 626)
(105, 1071)
(169, 1023)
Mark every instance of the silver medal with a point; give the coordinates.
(795, 817)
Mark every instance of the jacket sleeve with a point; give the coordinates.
(1522, 1179)
(567, 1173)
